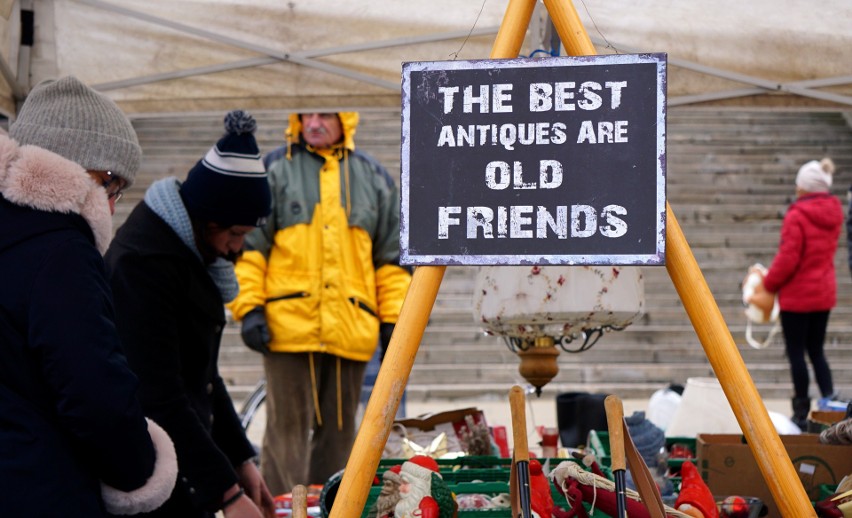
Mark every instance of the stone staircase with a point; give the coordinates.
(730, 178)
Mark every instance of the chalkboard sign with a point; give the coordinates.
(534, 161)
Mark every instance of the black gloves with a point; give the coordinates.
(385, 332)
(255, 331)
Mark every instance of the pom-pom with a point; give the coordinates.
(239, 122)
(827, 165)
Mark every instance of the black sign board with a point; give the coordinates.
(534, 161)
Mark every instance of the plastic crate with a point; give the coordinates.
(598, 442)
(495, 488)
(457, 463)
(825, 491)
(470, 475)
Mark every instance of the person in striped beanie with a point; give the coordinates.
(171, 269)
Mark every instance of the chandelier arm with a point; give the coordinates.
(594, 335)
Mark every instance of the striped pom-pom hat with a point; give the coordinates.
(229, 185)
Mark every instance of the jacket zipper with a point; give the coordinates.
(363, 306)
(297, 295)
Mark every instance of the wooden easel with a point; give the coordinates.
(704, 313)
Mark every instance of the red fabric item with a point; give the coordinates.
(604, 501)
(695, 492)
(802, 273)
(429, 507)
(541, 501)
(575, 497)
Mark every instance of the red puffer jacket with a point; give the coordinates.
(802, 272)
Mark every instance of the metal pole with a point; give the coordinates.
(396, 366)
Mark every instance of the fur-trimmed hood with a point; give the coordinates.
(42, 180)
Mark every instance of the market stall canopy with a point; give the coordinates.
(161, 56)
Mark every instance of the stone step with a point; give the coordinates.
(637, 333)
(629, 380)
(626, 390)
(494, 351)
(630, 345)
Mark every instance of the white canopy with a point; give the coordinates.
(156, 56)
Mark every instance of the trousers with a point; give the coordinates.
(298, 446)
(805, 333)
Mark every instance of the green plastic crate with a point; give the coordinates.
(825, 491)
(598, 442)
(461, 474)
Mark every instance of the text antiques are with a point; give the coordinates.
(547, 161)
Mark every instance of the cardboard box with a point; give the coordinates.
(728, 466)
(819, 420)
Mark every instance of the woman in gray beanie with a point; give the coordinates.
(73, 437)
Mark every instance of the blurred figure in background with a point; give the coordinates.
(802, 275)
(320, 283)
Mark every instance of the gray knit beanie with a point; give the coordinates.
(74, 121)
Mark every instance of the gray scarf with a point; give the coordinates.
(164, 199)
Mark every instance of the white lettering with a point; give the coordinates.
(605, 132)
(550, 181)
(621, 131)
(481, 100)
(583, 221)
(445, 219)
(562, 95)
(545, 220)
(518, 178)
(615, 88)
(559, 135)
(518, 220)
(500, 98)
(540, 97)
(448, 92)
(497, 175)
(540, 222)
(615, 226)
(591, 100)
(480, 217)
(587, 133)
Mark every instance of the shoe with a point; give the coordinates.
(801, 408)
(832, 402)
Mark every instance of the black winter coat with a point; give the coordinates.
(68, 413)
(170, 318)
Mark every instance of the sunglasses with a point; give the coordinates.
(112, 184)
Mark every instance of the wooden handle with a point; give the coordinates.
(300, 502)
(517, 400)
(615, 423)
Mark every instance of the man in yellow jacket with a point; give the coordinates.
(319, 284)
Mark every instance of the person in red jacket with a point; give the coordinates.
(802, 275)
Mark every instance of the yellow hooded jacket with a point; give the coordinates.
(326, 265)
